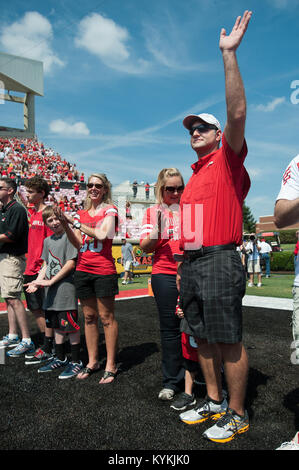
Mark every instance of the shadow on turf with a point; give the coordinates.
(127, 357)
(255, 380)
(130, 356)
(291, 402)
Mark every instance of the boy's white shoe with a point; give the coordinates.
(204, 410)
(166, 394)
(292, 445)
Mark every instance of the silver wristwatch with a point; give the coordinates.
(77, 224)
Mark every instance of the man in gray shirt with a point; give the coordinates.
(127, 258)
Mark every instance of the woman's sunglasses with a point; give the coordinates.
(173, 189)
(96, 185)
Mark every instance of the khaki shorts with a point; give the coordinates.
(254, 267)
(128, 265)
(11, 275)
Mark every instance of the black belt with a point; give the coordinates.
(206, 250)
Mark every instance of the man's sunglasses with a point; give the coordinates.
(96, 185)
(201, 128)
(173, 189)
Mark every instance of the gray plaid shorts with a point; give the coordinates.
(211, 292)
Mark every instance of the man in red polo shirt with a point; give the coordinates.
(211, 278)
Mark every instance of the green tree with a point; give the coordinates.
(248, 220)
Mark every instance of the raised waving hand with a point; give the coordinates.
(233, 40)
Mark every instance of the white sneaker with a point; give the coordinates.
(250, 284)
(7, 342)
(292, 445)
(227, 427)
(204, 410)
(166, 394)
(21, 349)
(259, 284)
(124, 282)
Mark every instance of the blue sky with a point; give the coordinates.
(120, 75)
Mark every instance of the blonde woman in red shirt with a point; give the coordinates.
(160, 235)
(95, 277)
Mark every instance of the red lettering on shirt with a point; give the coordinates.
(287, 175)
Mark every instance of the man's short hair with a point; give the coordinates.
(39, 184)
(10, 183)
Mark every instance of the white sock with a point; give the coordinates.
(26, 340)
(12, 336)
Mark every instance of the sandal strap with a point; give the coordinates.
(107, 374)
(87, 370)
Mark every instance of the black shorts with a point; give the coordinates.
(35, 300)
(190, 366)
(66, 321)
(212, 288)
(95, 285)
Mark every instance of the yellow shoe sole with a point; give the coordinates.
(228, 439)
(214, 417)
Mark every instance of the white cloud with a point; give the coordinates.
(267, 108)
(114, 46)
(31, 37)
(103, 37)
(59, 126)
(108, 41)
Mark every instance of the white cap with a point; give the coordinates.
(209, 118)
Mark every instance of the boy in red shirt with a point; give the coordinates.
(37, 190)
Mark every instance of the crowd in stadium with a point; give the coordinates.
(24, 158)
(21, 159)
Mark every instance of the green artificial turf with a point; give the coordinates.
(278, 285)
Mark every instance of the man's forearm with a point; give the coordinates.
(234, 88)
(286, 212)
(235, 102)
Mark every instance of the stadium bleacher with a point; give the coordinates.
(23, 158)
